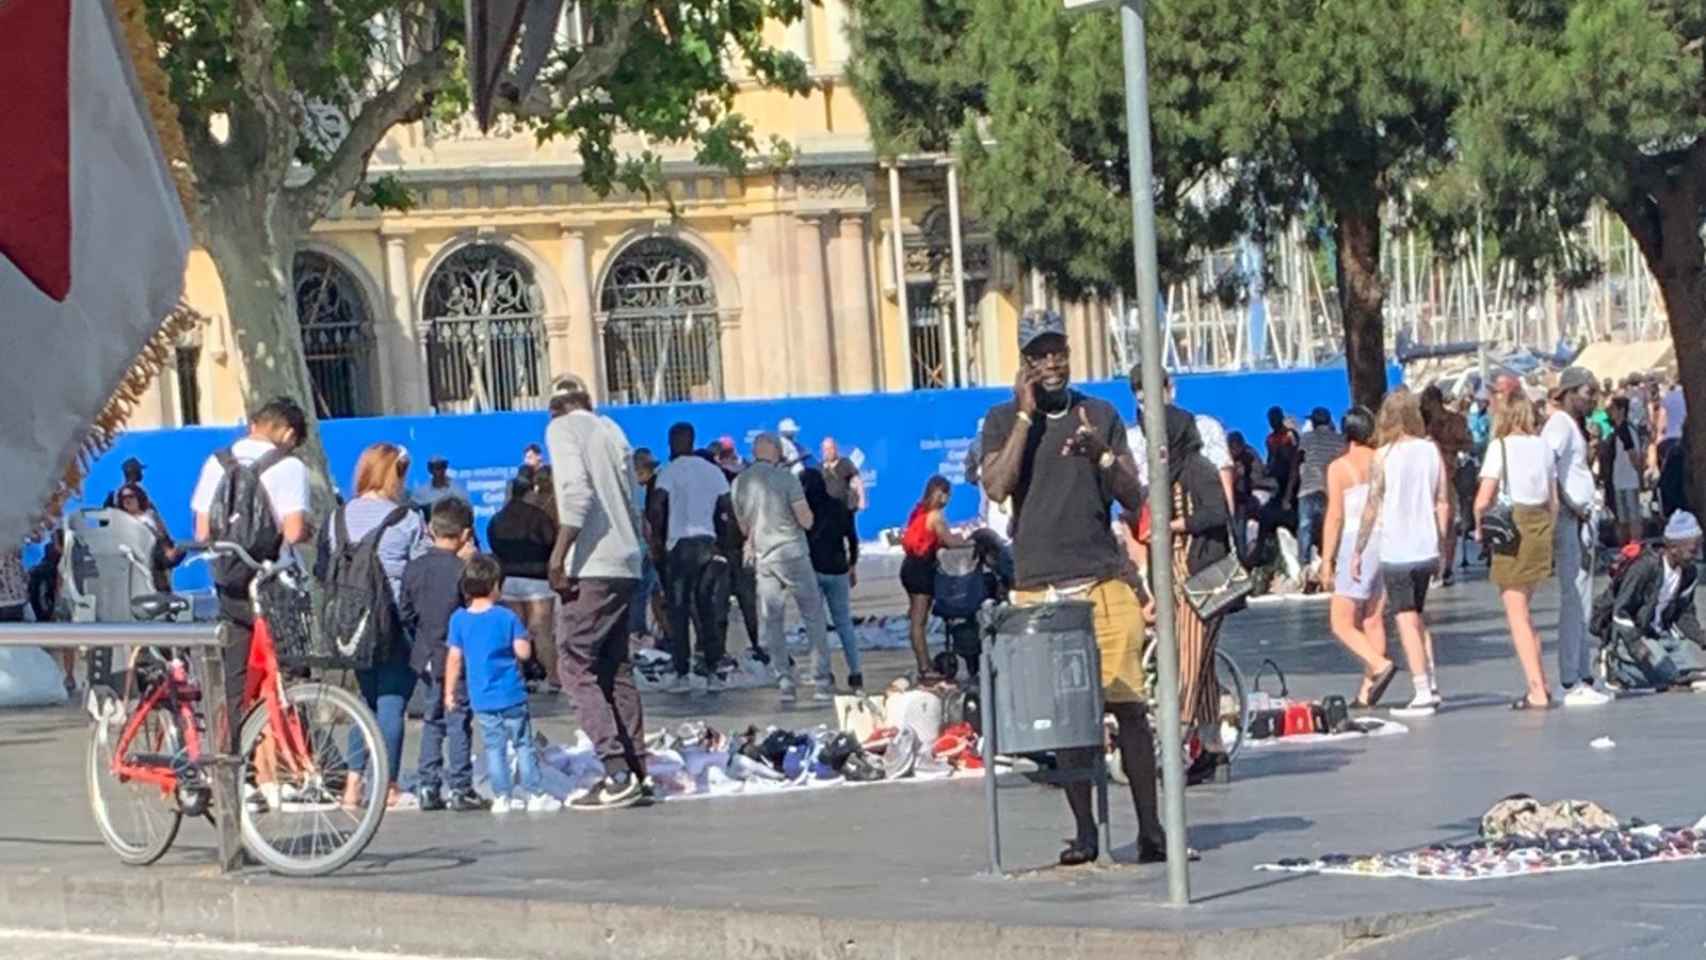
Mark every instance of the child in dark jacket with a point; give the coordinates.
(431, 593)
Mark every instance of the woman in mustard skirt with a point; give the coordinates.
(1519, 469)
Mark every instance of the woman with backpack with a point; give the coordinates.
(1520, 468)
(926, 533)
(380, 505)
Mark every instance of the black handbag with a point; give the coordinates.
(1499, 532)
(1268, 723)
(1221, 586)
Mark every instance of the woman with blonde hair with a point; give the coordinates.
(380, 504)
(1520, 468)
(1409, 502)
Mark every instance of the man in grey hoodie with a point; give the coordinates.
(594, 568)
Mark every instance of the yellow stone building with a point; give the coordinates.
(509, 271)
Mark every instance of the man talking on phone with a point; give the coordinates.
(1062, 458)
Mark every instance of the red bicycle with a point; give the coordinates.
(149, 764)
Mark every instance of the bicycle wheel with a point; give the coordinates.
(1234, 703)
(295, 818)
(137, 820)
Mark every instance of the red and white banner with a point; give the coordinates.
(93, 239)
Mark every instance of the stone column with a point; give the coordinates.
(740, 360)
(854, 344)
(574, 345)
(814, 367)
(897, 251)
(402, 342)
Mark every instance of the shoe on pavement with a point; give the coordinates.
(464, 801)
(543, 803)
(786, 686)
(681, 684)
(501, 805)
(856, 682)
(823, 694)
(715, 684)
(1423, 705)
(611, 793)
(430, 799)
(1584, 695)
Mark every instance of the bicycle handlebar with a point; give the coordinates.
(224, 548)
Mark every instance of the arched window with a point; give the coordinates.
(661, 338)
(337, 336)
(485, 335)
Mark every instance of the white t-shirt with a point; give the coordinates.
(1667, 592)
(1570, 453)
(1214, 448)
(693, 485)
(1532, 469)
(1408, 531)
(1676, 413)
(286, 481)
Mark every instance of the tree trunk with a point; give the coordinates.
(254, 255)
(1362, 298)
(1666, 226)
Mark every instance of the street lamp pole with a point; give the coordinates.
(1133, 42)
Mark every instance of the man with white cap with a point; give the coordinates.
(1572, 399)
(1652, 608)
(793, 453)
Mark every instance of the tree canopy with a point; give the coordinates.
(1259, 113)
(1572, 102)
(282, 103)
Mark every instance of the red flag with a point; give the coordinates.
(93, 240)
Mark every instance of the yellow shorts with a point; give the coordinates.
(1119, 635)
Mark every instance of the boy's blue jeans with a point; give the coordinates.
(509, 728)
(441, 729)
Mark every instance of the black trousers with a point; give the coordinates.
(698, 593)
(743, 581)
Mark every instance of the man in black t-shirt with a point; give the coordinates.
(1061, 457)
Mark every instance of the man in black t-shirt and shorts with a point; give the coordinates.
(1062, 458)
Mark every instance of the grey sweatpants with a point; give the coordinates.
(790, 574)
(1575, 600)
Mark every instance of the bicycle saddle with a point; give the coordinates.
(157, 606)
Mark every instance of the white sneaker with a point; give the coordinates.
(786, 686)
(543, 803)
(681, 684)
(518, 804)
(1584, 695)
(1698, 686)
(501, 805)
(715, 684)
(1424, 705)
(823, 695)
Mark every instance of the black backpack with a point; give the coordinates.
(242, 514)
(358, 614)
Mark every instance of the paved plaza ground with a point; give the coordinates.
(886, 870)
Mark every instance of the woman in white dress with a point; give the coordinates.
(1358, 605)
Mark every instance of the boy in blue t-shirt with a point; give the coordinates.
(489, 642)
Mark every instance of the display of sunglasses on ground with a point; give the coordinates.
(1521, 836)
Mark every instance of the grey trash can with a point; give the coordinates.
(1047, 678)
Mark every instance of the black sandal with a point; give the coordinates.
(1381, 682)
(1523, 703)
(1078, 853)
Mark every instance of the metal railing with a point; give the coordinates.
(206, 639)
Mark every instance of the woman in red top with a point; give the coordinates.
(926, 533)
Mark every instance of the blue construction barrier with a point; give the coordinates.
(900, 439)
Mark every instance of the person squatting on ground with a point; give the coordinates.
(1519, 468)
(1576, 533)
(488, 644)
(386, 686)
(1062, 458)
(1409, 484)
(925, 535)
(595, 567)
(770, 506)
(1357, 609)
(689, 503)
(1647, 615)
(432, 594)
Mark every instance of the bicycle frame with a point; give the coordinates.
(176, 685)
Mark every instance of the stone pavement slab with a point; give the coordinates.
(899, 867)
